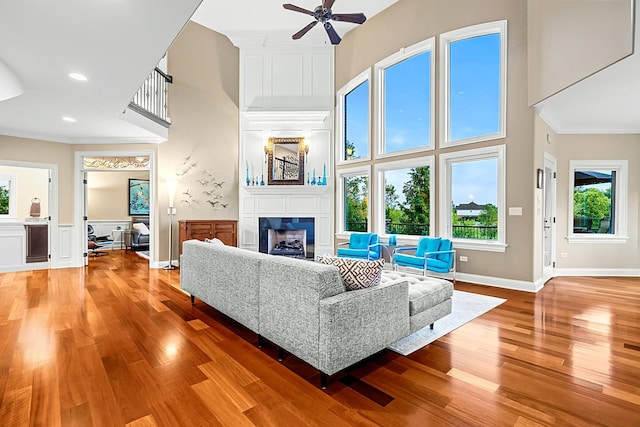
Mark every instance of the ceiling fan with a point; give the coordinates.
(324, 14)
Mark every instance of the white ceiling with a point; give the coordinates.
(116, 43)
(267, 22)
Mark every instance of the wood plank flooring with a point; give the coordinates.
(115, 344)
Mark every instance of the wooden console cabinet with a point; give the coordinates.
(223, 229)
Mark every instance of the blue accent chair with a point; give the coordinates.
(433, 254)
(361, 246)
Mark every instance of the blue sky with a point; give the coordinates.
(474, 111)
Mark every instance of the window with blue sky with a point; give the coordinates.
(470, 182)
(472, 188)
(473, 84)
(405, 99)
(356, 123)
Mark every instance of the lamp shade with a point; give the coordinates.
(10, 85)
(172, 185)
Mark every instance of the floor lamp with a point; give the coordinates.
(171, 186)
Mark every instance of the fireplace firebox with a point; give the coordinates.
(292, 237)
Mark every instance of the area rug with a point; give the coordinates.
(143, 254)
(465, 307)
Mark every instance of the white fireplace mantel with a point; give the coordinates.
(289, 190)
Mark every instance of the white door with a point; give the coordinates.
(85, 216)
(549, 217)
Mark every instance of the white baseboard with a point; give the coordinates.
(499, 282)
(622, 272)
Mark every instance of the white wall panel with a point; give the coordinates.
(325, 206)
(286, 76)
(272, 205)
(321, 67)
(323, 231)
(302, 205)
(65, 239)
(253, 87)
(249, 231)
(13, 252)
(248, 205)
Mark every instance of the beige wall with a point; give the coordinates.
(572, 39)
(598, 147)
(108, 194)
(421, 19)
(45, 152)
(203, 102)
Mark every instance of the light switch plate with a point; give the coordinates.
(515, 211)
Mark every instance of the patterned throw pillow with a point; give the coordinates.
(356, 273)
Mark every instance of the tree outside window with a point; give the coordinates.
(4, 199)
(592, 201)
(356, 209)
(407, 196)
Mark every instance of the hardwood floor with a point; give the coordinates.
(114, 344)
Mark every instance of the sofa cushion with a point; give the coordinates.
(356, 273)
(424, 292)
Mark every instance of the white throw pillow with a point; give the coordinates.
(141, 227)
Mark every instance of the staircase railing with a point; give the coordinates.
(151, 98)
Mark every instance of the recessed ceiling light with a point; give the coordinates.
(78, 76)
(68, 119)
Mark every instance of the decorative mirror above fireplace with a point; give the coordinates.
(285, 161)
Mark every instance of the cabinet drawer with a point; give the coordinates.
(222, 228)
(200, 228)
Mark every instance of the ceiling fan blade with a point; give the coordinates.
(355, 18)
(304, 31)
(297, 9)
(331, 32)
(327, 4)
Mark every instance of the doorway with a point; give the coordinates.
(34, 201)
(549, 217)
(111, 207)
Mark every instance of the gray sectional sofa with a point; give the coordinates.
(303, 307)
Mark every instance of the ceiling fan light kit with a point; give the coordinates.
(324, 14)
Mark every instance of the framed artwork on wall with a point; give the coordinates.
(138, 197)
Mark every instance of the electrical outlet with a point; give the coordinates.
(563, 255)
(463, 258)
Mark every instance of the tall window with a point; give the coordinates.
(598, 200)
(473, 204)
(473, 69)
(405, 195)
(405, 100)
(353, 192)
(353, 123)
